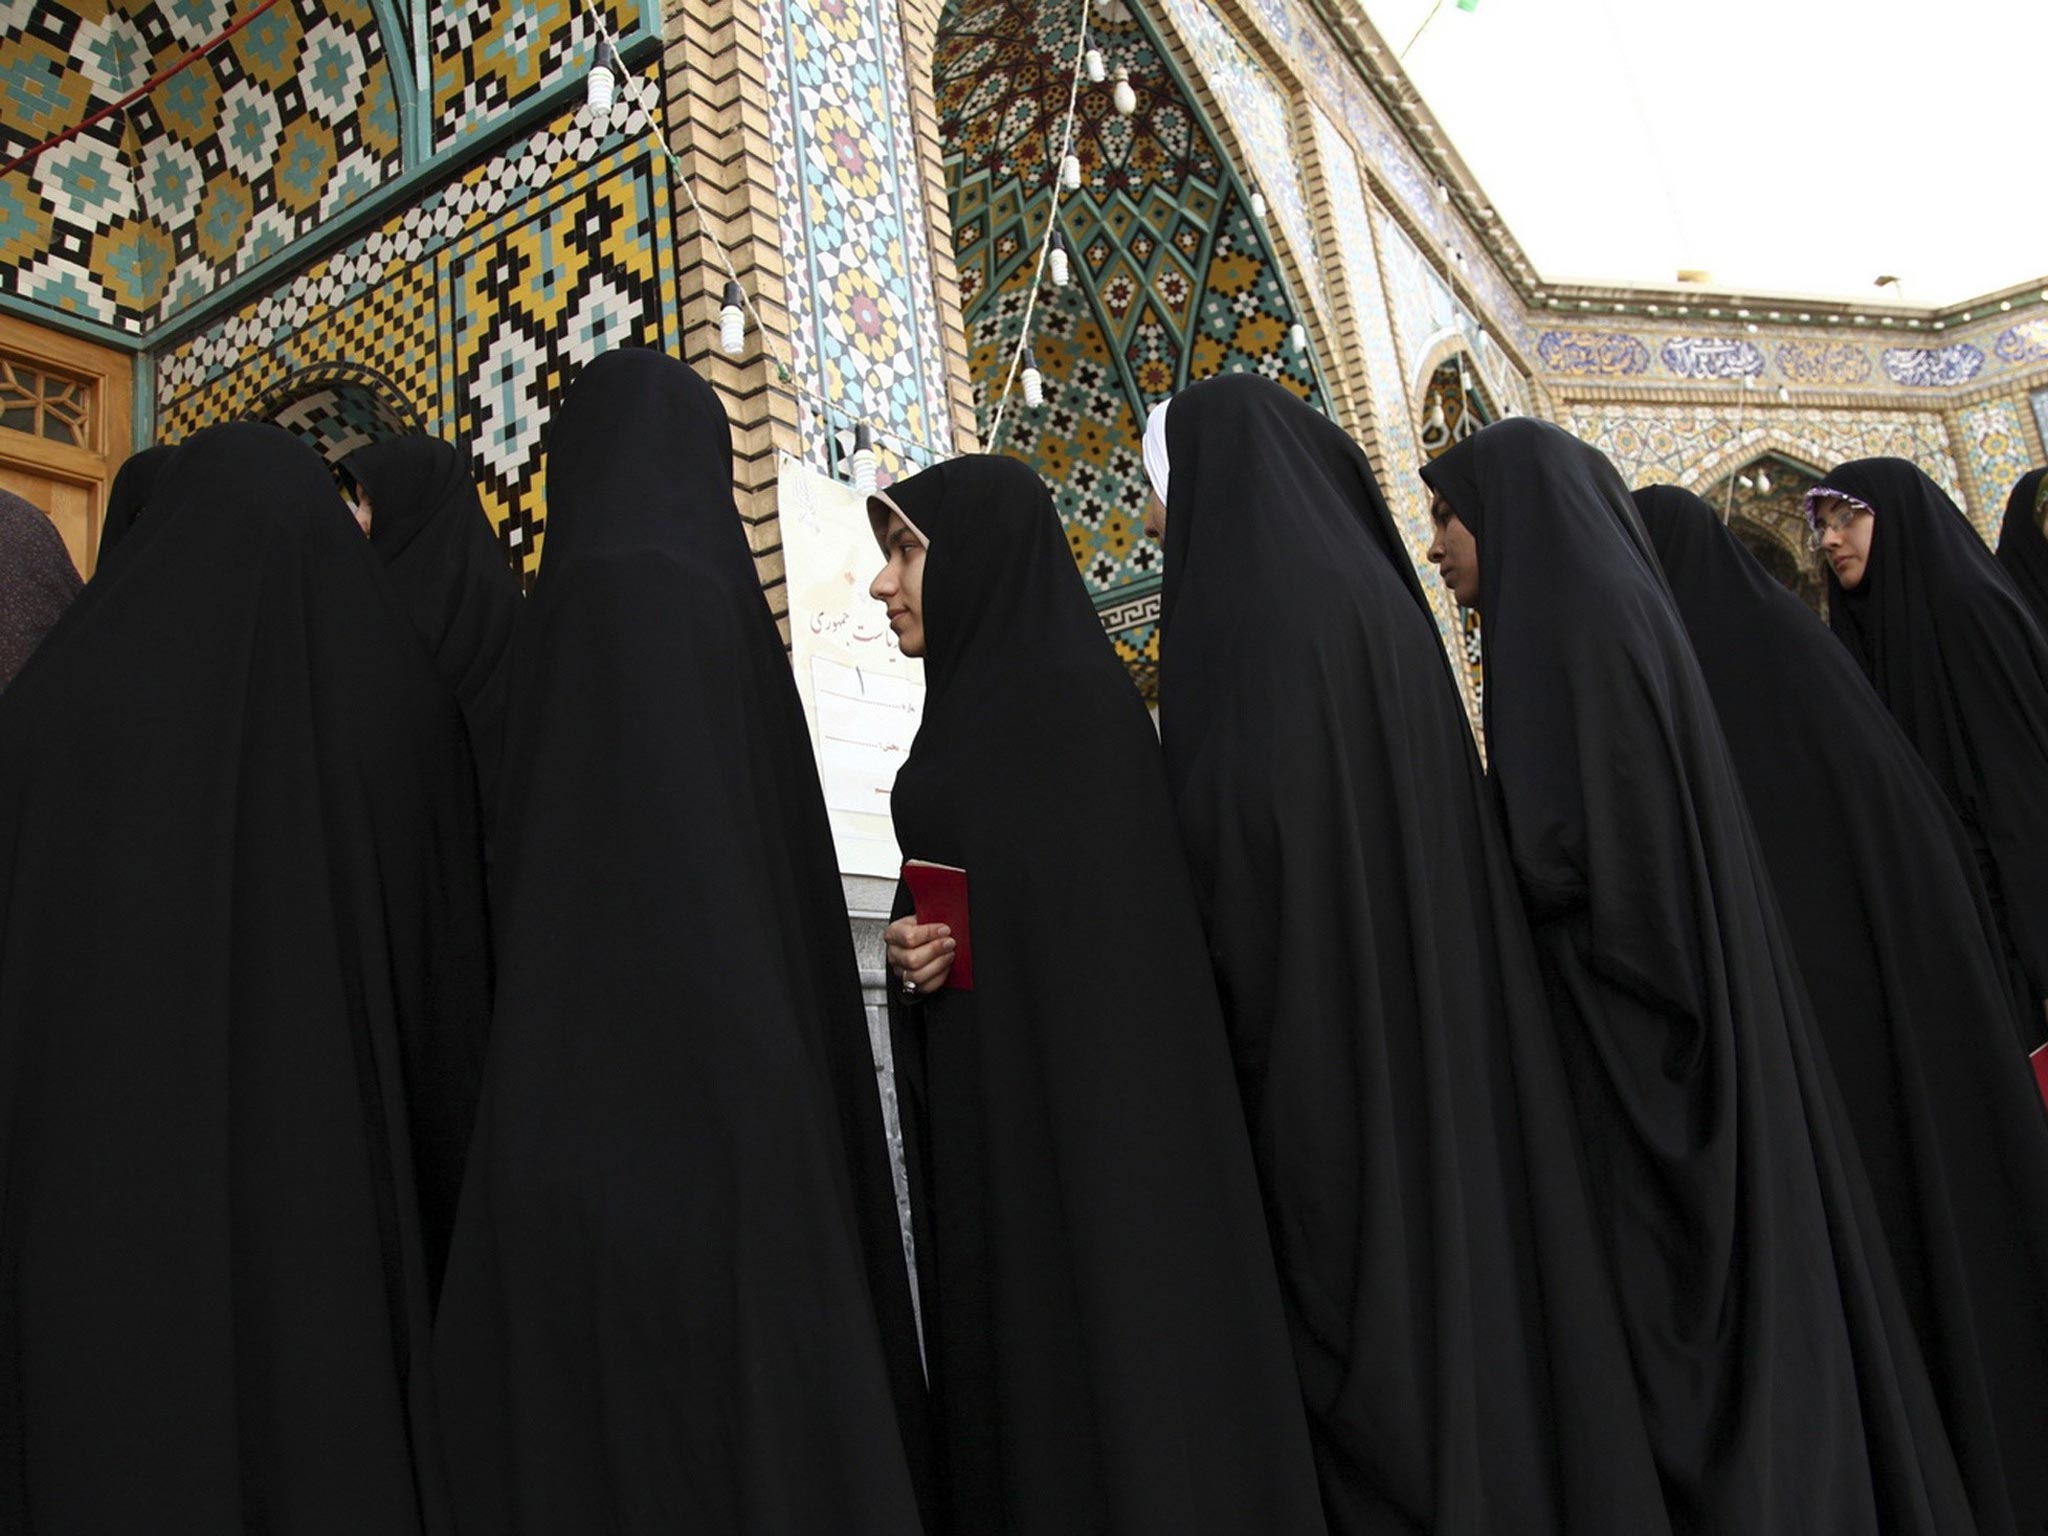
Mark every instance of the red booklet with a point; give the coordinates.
(940, 891)
(2039, 1058)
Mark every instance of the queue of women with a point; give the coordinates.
(435, 1093)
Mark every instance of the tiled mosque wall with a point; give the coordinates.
(468, 312)
(215, 171)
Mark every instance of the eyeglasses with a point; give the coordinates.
(1835, 521)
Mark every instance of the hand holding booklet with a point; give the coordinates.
(940, 892)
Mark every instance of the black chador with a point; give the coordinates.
(1958, 658)
(451, 571)
(1107, 1347)
(1780, 1376)
(1457, 1344)
(676, 1299)
(243, 991)
(1902, 965)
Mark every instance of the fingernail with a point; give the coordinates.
(949, 946)
(945, 932)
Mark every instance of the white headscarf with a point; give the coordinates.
(1155, 449)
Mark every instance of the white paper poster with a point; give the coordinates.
(862, 696)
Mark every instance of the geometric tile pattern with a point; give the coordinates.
(1694, 445)
(467, 313)
(489, 56)
(1995, 447)
(1258, 110)
(1173, 280)
(532, 299)
(337, 410)
(2024, 343)
(2039, 401)
(217, 169)
(864, 313)
(1809, 357)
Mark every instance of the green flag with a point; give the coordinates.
(1468, 5)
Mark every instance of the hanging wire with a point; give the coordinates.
(140, 91)
(1052, 224)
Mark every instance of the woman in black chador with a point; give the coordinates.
(1780, 1376)
(243, 990)
(1902, 964)
(426, 523)
(1456, 1342)
(2022, 547)
(676, 1300)
(1957, 657)
(1105, 1335)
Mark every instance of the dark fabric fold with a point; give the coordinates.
(451, 571)
(2022, 547)
(243, 986)
(1107, 1346)
(677, 1298)
(1905, 972)
(128, 497)
(1761, 1308)
(1455, 1334)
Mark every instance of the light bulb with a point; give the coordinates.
(863, 462)
(1297, 336)
(1058, 261)
(1034, 386)
(1763, 482)
(1126, 99)
(1745, 482)
(1258, 204)
(1092, 61)
(1784, 395)
(1070, 173)
(732, 320)
(599, 89)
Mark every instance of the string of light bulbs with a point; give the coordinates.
(1087, 62)
(736, 305)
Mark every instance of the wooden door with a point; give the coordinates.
(64, 428)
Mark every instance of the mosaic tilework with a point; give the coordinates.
(1258, 110)
(1174, 280)
(1389, 155)
(1593, 354)
(1691, 445)
(337, 411)
(1824, 362)
(539, 294)
(469, 312)
(1933, 367)
(1714, 345)
(864, 316)
(1995, 447)
(1712, 357)
(2039, 401)
(217, 169)
(489, 56)
(2022, 344)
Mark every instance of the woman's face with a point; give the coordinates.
(899, 586)
(1845, 530)
(1455, 553)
